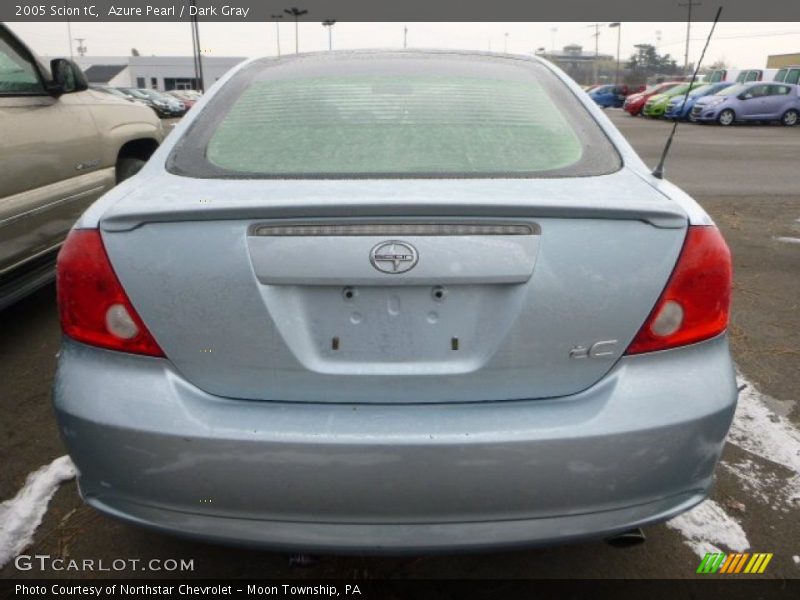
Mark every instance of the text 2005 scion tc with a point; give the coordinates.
(385, 301)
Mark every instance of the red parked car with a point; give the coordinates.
(635, 102)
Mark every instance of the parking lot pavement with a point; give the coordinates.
(747, 178)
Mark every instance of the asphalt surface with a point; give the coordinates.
(745, 176)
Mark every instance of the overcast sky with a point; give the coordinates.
(740, 44)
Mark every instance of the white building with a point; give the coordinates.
(162, 73)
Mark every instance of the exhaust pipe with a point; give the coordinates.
(303, 560)
(626, 539)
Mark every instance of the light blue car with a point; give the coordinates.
(681, 106)
(750, 102)
(394, 302)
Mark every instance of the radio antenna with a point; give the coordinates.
(658, 172)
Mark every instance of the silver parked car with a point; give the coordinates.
(395, 301)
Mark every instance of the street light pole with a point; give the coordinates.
(277, 32)
(618, 26)
(329, 24)
(596, 49)
(688, 5)
(296, 13)
(196, 83)
(505, 43)
(69, 34)
(405, 38)
(196, 28)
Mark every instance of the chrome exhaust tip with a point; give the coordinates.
(626, 539)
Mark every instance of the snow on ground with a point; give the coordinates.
(20, 516)
(759, 482)
(760, 431)
(708, 526)
(788, 240)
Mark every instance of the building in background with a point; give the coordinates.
(777, 61)
(582, 65)
(161, 73)
(113, 75)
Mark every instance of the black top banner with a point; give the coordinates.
(398, 11)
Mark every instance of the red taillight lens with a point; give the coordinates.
(93, 306)
(695, 304)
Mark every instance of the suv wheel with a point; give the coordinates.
(128, 167)
(726, 117)
(790, 117)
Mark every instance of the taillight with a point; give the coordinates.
(695, 304)
(94, 308)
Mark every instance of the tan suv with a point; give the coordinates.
(62, 146)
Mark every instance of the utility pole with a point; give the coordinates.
(194, 58)
(618, 27)
(596, 36)
(296, 13)
(69, 33)
(405, 38)
(329, 24)
(505, 43)
(81, 48)
(277, 32)
(554, 30)
(196, 30)
(689, 6)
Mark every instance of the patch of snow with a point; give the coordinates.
(760, 431)
(708, 526)
(757, 481)
(20, 516)
(787, 240)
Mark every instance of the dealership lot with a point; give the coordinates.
(745, 176)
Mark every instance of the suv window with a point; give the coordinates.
(394, 116)
(18, 77)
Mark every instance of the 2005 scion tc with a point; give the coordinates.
(395, 301)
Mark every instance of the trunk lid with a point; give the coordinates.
(394, 291)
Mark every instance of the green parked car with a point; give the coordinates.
(657, 105)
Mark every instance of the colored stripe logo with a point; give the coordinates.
(732, 564)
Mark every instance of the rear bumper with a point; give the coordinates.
(636, 448)
(381, 538)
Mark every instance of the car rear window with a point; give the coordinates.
(396, 116)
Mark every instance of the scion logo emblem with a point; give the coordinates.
(393, 257)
